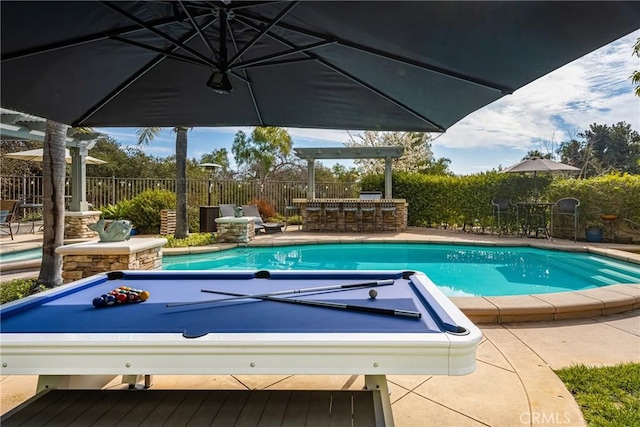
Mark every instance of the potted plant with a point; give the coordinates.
(593, 232)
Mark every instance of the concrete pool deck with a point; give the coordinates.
(514, 384)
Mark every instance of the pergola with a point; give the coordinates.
(312, 154)
(25, 127)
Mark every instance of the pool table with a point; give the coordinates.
(335, 327)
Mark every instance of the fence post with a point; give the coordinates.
(113, 189)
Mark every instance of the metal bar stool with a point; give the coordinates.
(331, 213)
(368, 215)
(313, 216)
(351, 216)
(388, 209)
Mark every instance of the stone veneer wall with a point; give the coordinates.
(236, 232)
(76, 267)
(75, 226)
(348, 221)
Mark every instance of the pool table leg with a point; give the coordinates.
(132, 380)
(379, 383)
(93, 382)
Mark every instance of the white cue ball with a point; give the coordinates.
(373, 293)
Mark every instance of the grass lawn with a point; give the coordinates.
(608, 395)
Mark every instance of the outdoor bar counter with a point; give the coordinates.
(347, 221)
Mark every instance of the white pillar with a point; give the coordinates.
(311, 179)
(387, 178)
(79, 178)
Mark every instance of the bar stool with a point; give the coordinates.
(388, 209)
(350, 215)
(331, 214)
(368, 215)
(313, 216)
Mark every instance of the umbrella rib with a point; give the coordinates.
(262, 32)
(397, 58)
(155, 31)
(266, 60)
(354, 79)
(170, 54)
(195, 26)
(88, 39)
(254, 101)
(131, 80)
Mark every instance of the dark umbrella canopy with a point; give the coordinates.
(412, 66)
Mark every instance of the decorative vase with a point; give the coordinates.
(594, 235)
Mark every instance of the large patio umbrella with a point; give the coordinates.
(36, 156)
(382, 65)
(537, 164)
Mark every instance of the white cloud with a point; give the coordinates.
(593, 89)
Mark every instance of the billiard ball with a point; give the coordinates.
(373, 293)
(99, 302)
(144, 295)
(111, 300)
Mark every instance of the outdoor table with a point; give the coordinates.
(535, 218)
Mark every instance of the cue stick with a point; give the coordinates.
(385, 282)
(337, 305)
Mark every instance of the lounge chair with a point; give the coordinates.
(267, 227)
(9, 215)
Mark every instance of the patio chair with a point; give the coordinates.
(251, 211)
(563, 208)
(9, 215)
(501, 209)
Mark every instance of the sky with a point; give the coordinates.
(593, 89)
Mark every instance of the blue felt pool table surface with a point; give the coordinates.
(70, 309)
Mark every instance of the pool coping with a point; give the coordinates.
(605, 300)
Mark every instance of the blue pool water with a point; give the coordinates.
(457, 270)
(21, 255)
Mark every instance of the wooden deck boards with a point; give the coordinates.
(241, 408)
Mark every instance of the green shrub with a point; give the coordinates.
(118, 211)
(436, 200)
(19, 288)
(145, 209)
(195, 239)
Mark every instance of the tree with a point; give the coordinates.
(603, 149)
(219, 157)
(265, 154)
(146, 135)
(635, 77)
(417, 156)
(538, 154)
(53, 171)
(129, 162)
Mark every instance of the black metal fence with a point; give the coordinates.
(102, 191)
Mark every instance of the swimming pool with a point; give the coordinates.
(25, 255)
(457, 270)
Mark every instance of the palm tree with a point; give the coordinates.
(53, 176)
(145, 136)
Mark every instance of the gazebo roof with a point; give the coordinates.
(349, 152)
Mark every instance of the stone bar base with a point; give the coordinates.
(75, 224)
(236, 230)
(86, 259)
